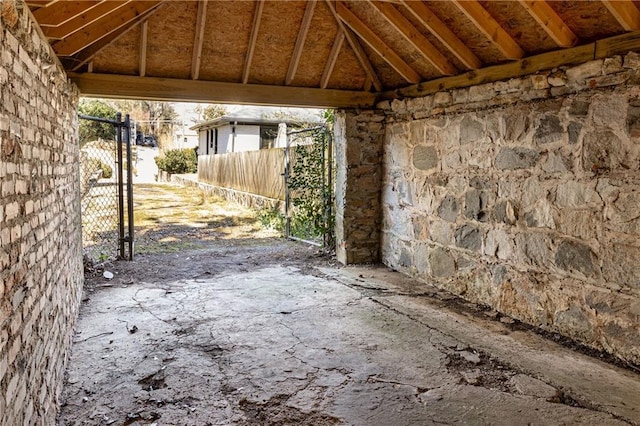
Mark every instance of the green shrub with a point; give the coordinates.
(96, 164)
(272, 218)
(178, 161)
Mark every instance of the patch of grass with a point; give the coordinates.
(171, 218)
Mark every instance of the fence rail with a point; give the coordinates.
(256, 172)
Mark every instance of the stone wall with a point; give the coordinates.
(524, 195)
(40, 245)
(245, 199)
(358, 151)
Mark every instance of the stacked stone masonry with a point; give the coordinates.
(40, 247)
(358, 151)
(524, 195)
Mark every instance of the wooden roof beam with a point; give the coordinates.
(199, 39)
(60, 12)
(255, 28)
(144, 39)
(440, 30)
(83, 20)
(549, 20)
(414, 37)
(376, 43)
(625, 12)
(365, 63)
(490, 27)
(169, 89)
(302, 36)
(125, 18)
(87, 54)
(333, 57)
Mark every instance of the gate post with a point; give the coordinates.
(359, 137)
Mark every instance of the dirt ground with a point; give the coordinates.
(220, 322)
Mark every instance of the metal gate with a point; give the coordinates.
(309, 186)
(105, 183)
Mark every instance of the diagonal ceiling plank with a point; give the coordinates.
(83, 20)
(257, 14)
(87, 54)
(490, 27)
(625, 12)
(199, 39)
(60, 12)
(144, 39)
(550, 22)
(439, 29)
(302, 36)
(125, 18)
(376, 43)
(364, 61)
(415, 37)
(333, 57)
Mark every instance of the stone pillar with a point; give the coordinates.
(359, 138)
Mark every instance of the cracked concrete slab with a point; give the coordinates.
(286, 343)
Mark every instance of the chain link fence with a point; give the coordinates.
(99, 200)
(309, 186)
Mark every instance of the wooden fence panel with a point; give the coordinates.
(256, 172)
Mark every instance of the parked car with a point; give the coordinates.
(148, 141)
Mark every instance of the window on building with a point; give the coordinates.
(268, 135)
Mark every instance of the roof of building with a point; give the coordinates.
(322, 53)
(266, 115)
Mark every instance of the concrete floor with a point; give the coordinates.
(267, 334)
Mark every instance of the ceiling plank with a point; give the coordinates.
(333, 57)
(83, 20)
(87, 54)
(199, 39)
(376, 43)
(103, 27)
(257, 14)
(60, 12)
(490, 27)
(415, 37)
(168, 89)
(625, 12)
(144, 38)
(365, 63)
(447, 37)
(302, 36)
(551, 22)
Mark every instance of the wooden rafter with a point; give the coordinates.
(490, 27)
(600, 49)
(87, 54)
(414, 37)
(376, 43)
(85, 19)
(101, 28)
(333, 57)
(165, 89)
(144, 38)
(439, 29)
(60, 12)
(255, 28)
(364, 61)
(625, 12)
(302, 36)
(199, 39)
(550, 22)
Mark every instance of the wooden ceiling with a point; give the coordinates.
(321, 52)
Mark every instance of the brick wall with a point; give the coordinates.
(524, 195)
(40, 251)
